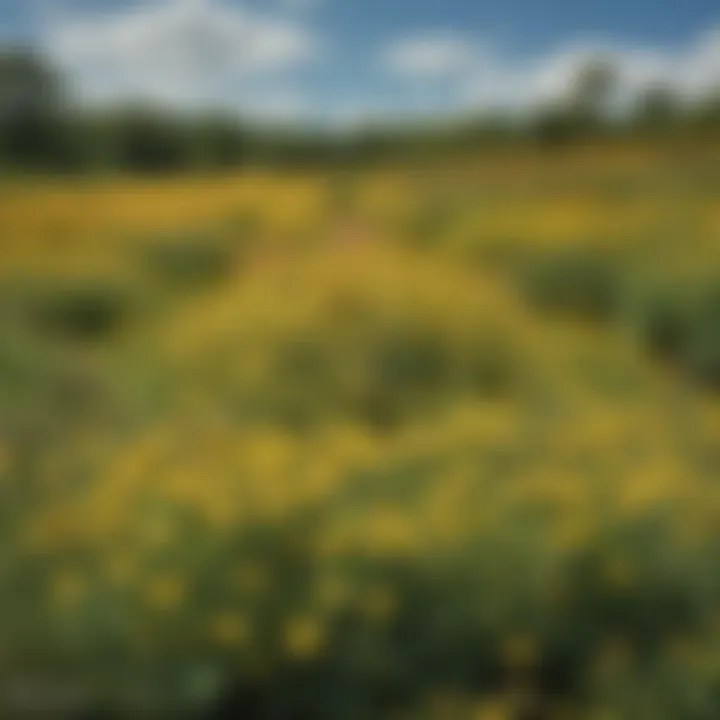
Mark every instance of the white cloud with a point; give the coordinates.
(280, 106)
(432, 56)
(481, 76)
(214, 53)
(690, 72)
(301, 5)
(192, 52)
(699, 71)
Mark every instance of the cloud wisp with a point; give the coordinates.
(182, 52)
(433, 56)
(217, 53)
(484, 77)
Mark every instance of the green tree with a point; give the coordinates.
(32, 122)
(591, 92)
(657, 108)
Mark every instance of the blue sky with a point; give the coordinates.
(353, 59)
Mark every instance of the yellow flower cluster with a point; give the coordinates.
(368, 434)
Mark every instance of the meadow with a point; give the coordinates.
(438, 440)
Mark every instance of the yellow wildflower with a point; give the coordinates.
(230, 629)
(167, 593)
(304, 637)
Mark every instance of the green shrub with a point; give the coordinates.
(665, 325)
(191, 260)
(49, 380)
(82, 310)
(703, 346)
(385, 376)
(493, 370)
(580, 283)
(684, 329)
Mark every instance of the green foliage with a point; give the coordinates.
(385, 378)
(191, 260)
(41, 129)
(703, 351)
(579, 283)
(684, 328)
(362, 483)
(664, 324)
(32, 124)
(45, 309)
(84, 310)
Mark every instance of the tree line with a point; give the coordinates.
(42, 129)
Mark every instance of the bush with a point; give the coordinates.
(703, 351)
(81, 310)
(193, 260)
(579, 283)
(665, 325)
(685, 330)
(383, 377)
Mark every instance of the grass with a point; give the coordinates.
(191, 260)
(249, 469)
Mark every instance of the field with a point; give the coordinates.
(433, 441)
